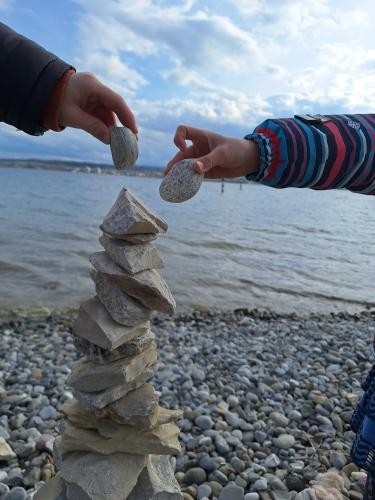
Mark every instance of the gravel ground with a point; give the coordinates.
(267, 399)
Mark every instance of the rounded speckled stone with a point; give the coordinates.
(181, 183)
(124, 147)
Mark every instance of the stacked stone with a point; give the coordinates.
(115, 438)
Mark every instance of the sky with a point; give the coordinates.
(222, 65)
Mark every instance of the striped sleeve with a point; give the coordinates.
(335, 153)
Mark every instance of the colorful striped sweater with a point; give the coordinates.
(330, 152)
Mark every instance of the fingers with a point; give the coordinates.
(117, 104)
(80, 119)
(183, 133)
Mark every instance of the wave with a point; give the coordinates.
(14, 268)
(310, 294)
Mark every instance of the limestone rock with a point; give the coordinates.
(132, 258)
(161, 440)
(103, 477)
(124, 147)
(138, 408)
(87, 376)
(6, 452)
(98, 400)
(54, 489)
(160, 417)
(75, 492)
(157, 481)
(78, 416)
(138, 239)
(181, 183)
(121, 307)
(147, 286)
(130, 216)
(101, 356)
(95, 324)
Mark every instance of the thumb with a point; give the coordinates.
(206, 163)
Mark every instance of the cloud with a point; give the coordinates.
(224, 66)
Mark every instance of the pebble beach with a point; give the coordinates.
(267, 398)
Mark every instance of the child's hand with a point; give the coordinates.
(217, 156)
(89, 105)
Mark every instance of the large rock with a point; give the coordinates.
(103, 477)
(98, 400)
(87, 376)
(138, 407)
(99, 355)
(6, 452)
(147, 286)
(132, 258)
(78, 415)
(130, 216)
(121, 307)
(157, 481)
(54, 489)
(161, 440)
(138, 239)
(96, 325)
(160, 417)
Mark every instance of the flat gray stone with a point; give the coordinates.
(133, 410)
(102, 356)
(98, 400)
(138, 239)
(112, 438)
(137, 407)
(131, 216)
(88, 470)
(147, 286)
(54, 489)
(181, 183)
(87, 376)
(6, 452)
(75, 492)
(157, 481)
(121, 307)
(124, 147)
(96, 325)
(232, 492)
(132, 258)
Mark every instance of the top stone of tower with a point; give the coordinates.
(130, 216)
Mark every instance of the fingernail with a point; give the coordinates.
(199, 167)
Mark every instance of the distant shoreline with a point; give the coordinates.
(81, 167)
(94, 168)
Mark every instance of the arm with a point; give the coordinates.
(28, 76)
(39, 91)
(330, 153)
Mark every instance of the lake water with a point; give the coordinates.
(285, 250)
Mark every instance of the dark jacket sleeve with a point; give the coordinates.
(329, 152)
(28, 75)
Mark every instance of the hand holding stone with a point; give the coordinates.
(216, 156)
(91, 106)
